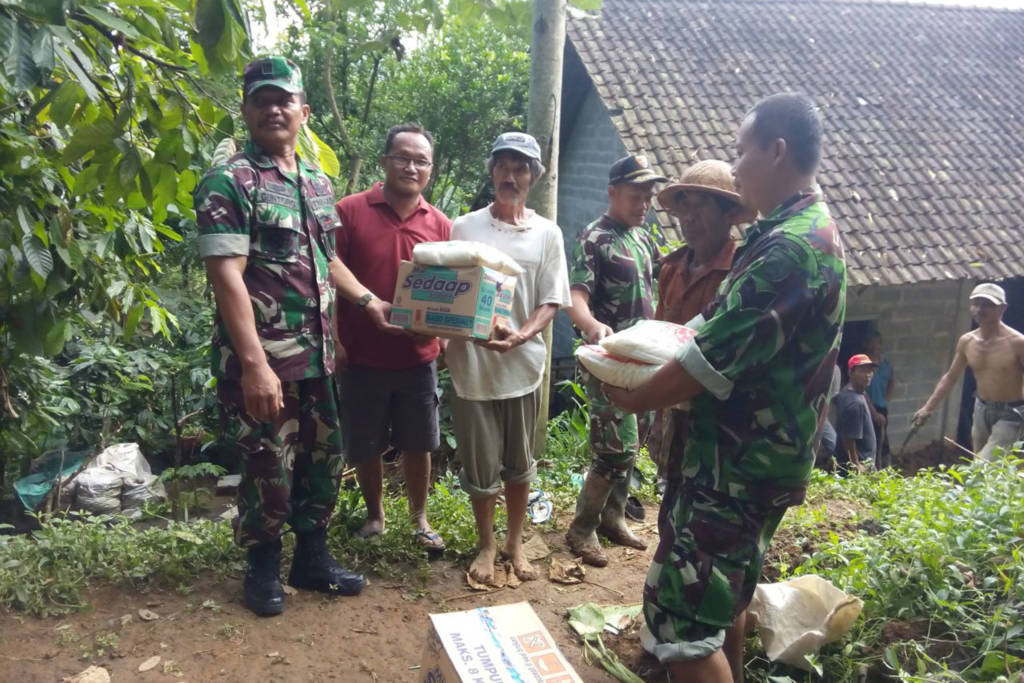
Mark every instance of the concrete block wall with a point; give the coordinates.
(587, 153)
(920, 325)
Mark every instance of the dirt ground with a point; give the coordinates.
(380, 635)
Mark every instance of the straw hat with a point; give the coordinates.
(712, 176)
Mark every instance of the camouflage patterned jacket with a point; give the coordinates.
(765, 357)
(616, 266)
(285, 226)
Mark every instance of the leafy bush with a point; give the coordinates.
(46, 574)
(940, 569)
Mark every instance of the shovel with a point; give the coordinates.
(910, 435)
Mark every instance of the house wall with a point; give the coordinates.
(587, 152)
(920, 325)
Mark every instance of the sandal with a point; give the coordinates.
(429, 541)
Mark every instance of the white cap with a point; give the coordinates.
(990, 291)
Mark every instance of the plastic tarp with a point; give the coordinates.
(33, 489)
(796, 617)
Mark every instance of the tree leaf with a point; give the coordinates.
(587, 5)
(315, 152)
(113, 21)
(43, 51)
(39, 258)
(16, 38)
(53, 341)
(134, 316)
(89, 138)
(128, 168)
(65, 100)
(78, 75)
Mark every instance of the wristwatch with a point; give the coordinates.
(365, 299)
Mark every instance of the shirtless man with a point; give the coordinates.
(995, 352)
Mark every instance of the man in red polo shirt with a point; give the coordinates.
(389, 387)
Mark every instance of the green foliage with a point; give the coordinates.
(107, 109)
(566, 451)
(396, 551)
(942, 557)
(46, 573)
(461, 71)
(185, 487)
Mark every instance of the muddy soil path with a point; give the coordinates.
(208, 635)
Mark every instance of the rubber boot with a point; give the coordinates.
(264, 594)
(314, 569)
(581, 535)
(613, 518)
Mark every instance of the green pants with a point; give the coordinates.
(615, 435)
(291, 467)
(705, 569)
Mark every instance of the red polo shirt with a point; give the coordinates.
(371, 241)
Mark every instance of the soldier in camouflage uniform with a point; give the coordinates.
(266, 233)
(612, 288)
(757, 373)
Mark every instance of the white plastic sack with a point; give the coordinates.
(463, 253)
(137, 492)
(648, 341)
(98, 490)
(797, 617)
(125, 458)
(618, 372)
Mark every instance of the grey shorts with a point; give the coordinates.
(389, 407)
(495, 442)
(996, 425)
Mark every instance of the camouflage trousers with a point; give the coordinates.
(291, 467)
(705, 569)
(615, 435)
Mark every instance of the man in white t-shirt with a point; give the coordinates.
(497, 382)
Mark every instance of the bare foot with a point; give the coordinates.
(520, 565)
(482, 568)
(371, 528)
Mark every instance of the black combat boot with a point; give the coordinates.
(264, 594)
(314, 569)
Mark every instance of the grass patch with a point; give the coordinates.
(938, 559)
(45, 574)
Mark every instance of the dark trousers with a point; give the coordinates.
(883, 454)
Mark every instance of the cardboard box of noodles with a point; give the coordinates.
(459, 303)
(501, 643)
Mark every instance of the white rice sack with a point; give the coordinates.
(619, 372)
(463, 253)
(648, 341)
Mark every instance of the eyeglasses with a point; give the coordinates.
(403, 161)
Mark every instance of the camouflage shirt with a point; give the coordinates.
(615, 265)
(284, 224)
(765, 357)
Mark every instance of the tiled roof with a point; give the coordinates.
(923, 108)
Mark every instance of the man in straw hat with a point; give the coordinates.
(995, 352)
(757, 373)
(612, 289)
(706, 205)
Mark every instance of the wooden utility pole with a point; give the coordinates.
(547, 42)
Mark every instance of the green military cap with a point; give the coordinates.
(276, 71)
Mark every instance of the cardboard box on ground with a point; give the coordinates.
(463, 302)
(500, 643)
